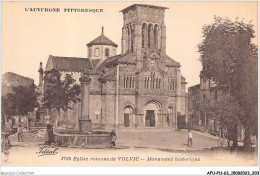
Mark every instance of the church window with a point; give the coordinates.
(133, 82)
(156, 36)
(148, 82)
(124, 81)
(149, 35)
(144, 32)
(152, 82)
(129, 82)
(128, 37)
(159, 83)
(107, 52)
(171, 84)
(132, 40)
(96, 52)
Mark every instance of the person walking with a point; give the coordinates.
(20, 132)
(189, 138)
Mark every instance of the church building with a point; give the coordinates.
(140, 88)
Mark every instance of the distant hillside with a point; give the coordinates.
(10, 80)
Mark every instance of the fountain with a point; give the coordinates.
(84, 137)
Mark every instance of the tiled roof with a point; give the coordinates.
(95, 62)
(142, 5)
(123, 58)
(94, 72)
(71, 64)
(102, 40)
(110, 77)
(170, 62)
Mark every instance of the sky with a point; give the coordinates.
(28, 38)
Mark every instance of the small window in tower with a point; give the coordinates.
(96, 52)
(107, 52)
(150, 26)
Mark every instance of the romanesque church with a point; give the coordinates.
(140, 88)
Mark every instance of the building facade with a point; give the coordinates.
(197, 119)
(140, 88)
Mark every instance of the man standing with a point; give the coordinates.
(189, 138)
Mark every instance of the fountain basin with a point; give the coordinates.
(96, 139)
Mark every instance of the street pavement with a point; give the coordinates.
(142, 144)
(170, 139)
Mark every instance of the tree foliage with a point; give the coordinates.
(60, 94)
(225, 111)
(21, 101)
(229, 58)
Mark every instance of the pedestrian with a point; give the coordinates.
(113, 138)
(20, 132)
(50, 134)
(189, 138)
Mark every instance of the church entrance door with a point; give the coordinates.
(150, 118)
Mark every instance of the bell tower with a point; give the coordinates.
(143, 30)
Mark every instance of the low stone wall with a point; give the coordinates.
(83, 140)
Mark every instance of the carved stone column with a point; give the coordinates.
(85, 124)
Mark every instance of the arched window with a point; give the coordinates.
(150, 26)
(127, 82)
(145, 82)
(156, 36)
(133, 82)
(124, 81)
(144, 35)
(159, 82)
(107, 52)
(132, 40)
(171, 84)
(130, 82)
(129, 38)
(148, 82)
(96, 52)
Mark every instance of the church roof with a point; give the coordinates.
(102, 40)
(127, 58)
(95, 62)
(110, 77)
(123, 58)
(71, 64)
(170, 62)
(142, 5)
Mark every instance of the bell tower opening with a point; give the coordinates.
(143, 29)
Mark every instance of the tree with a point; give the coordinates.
(229, 58)
(60, 94)
(21, 101)
(227, 113)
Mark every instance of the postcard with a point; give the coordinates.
(129, 84)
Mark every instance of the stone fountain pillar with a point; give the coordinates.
(85, 124)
